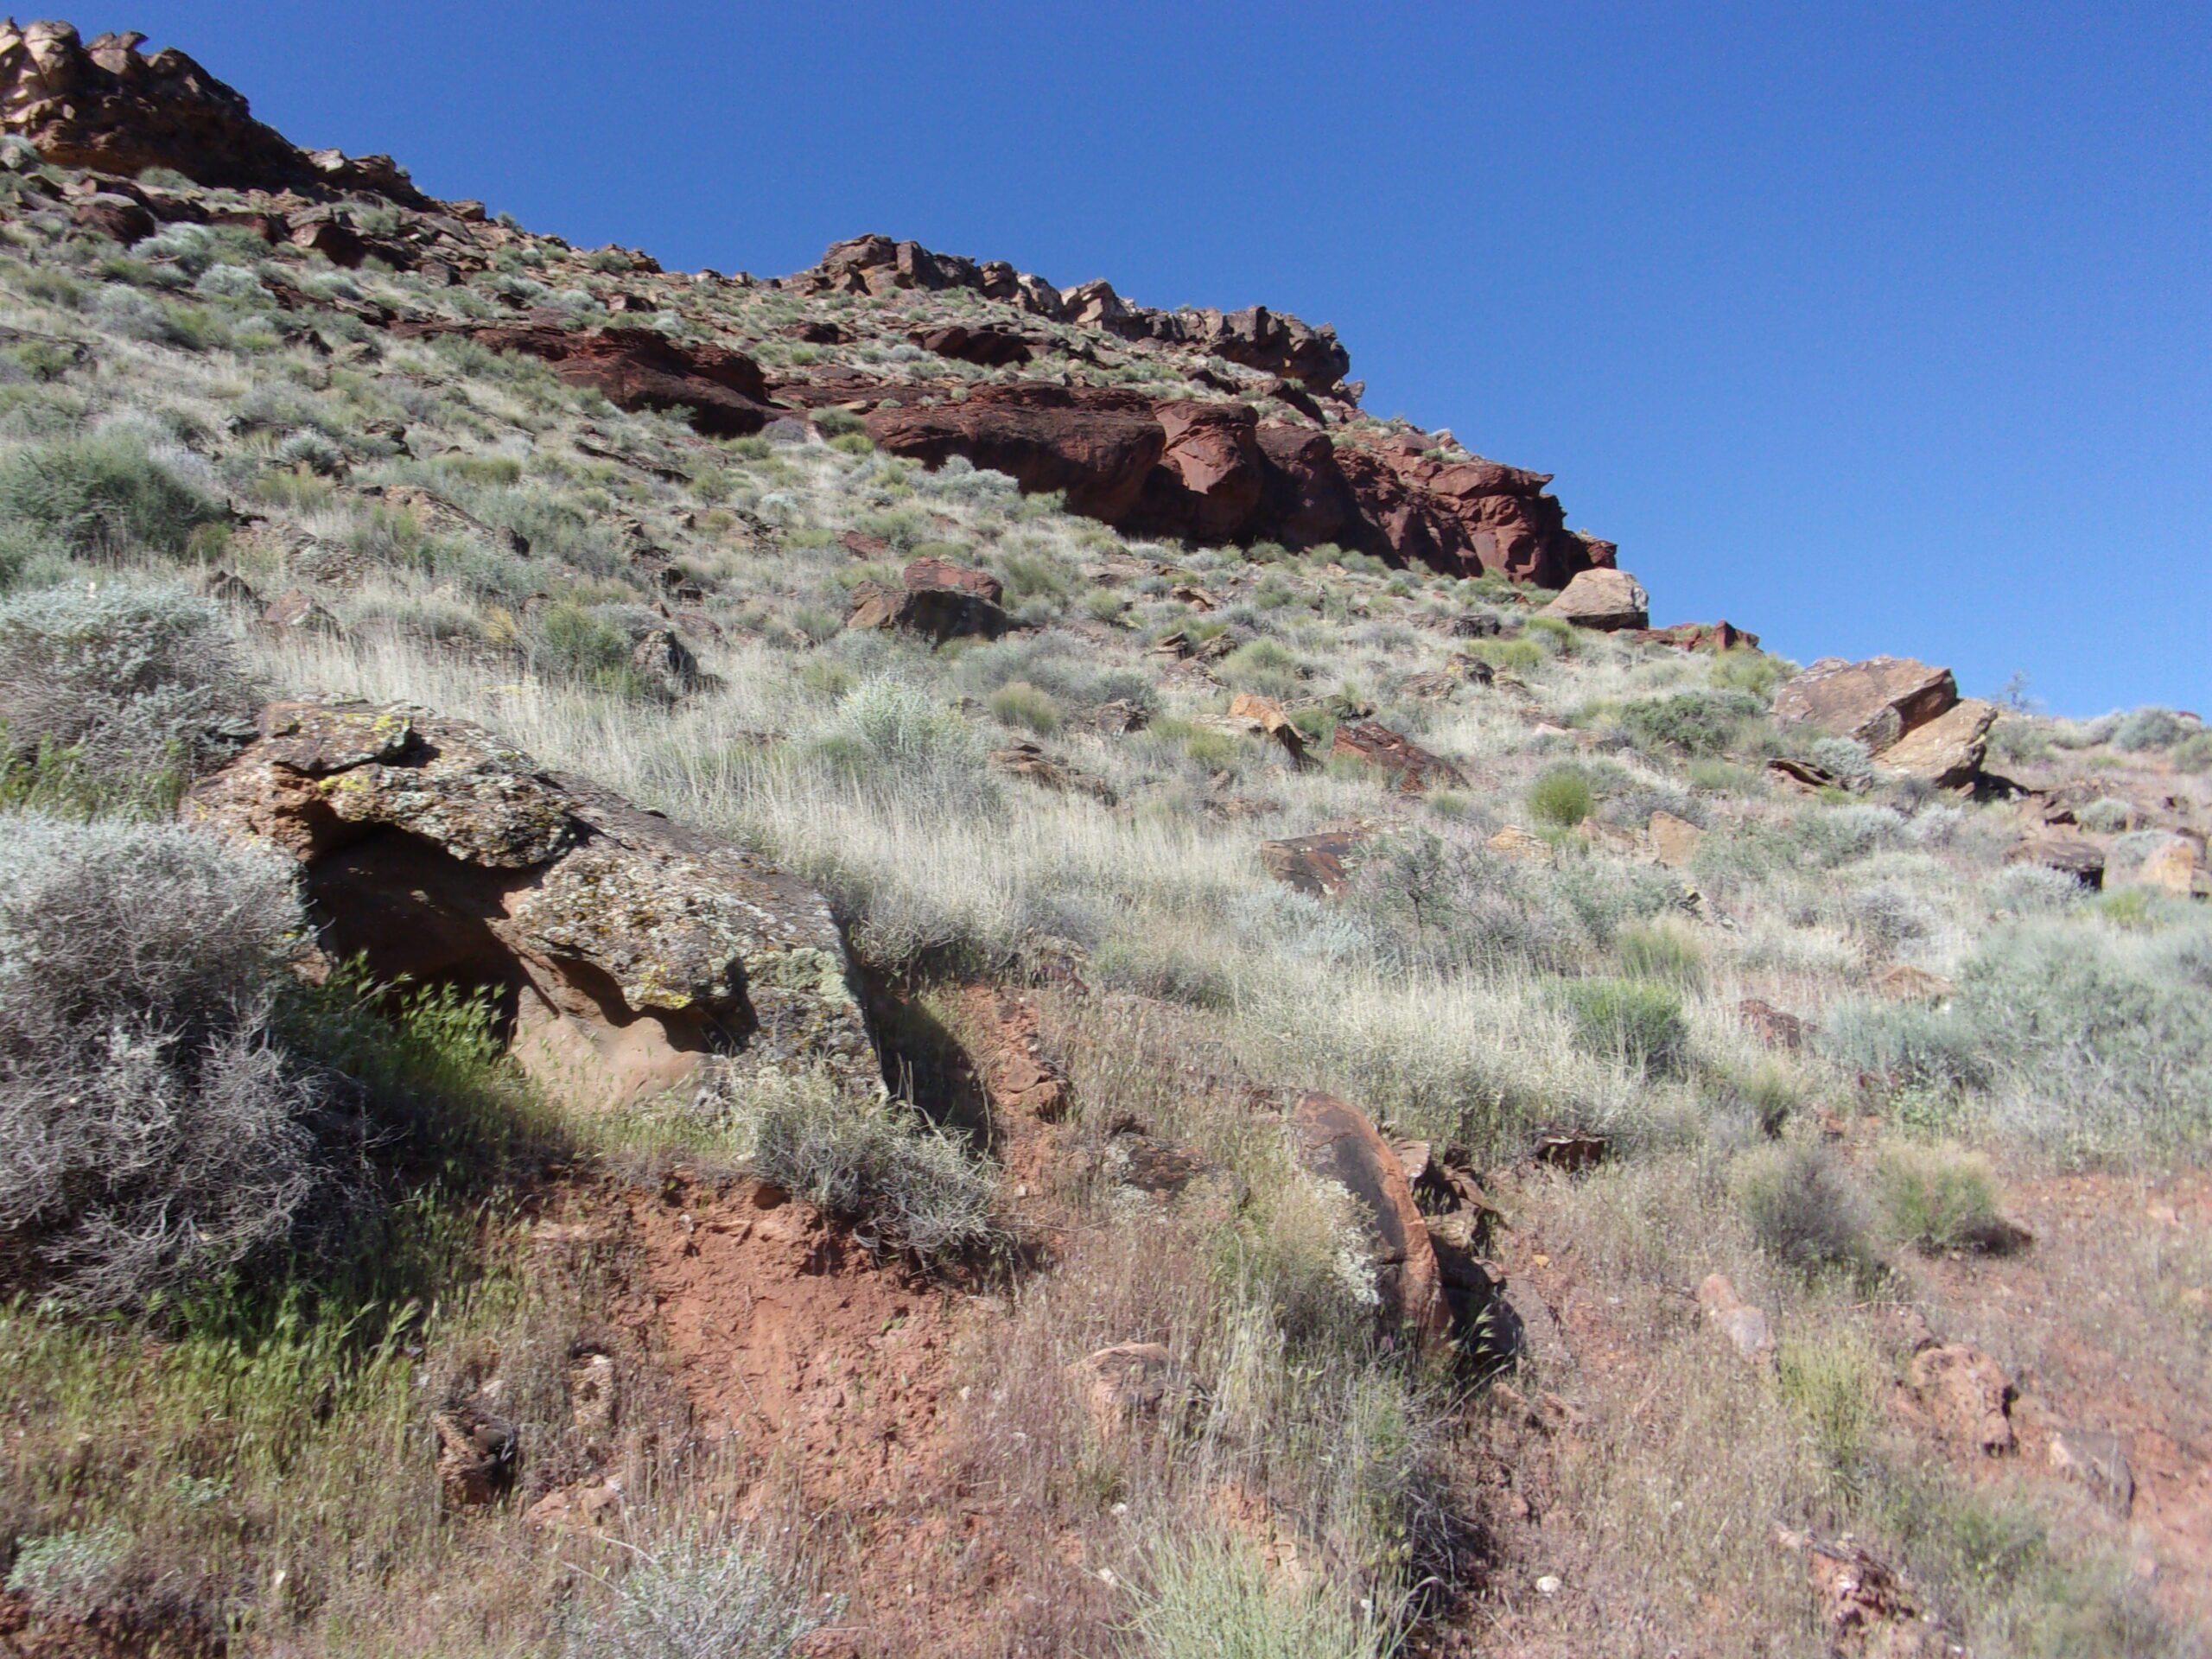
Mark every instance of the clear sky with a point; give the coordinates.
(1873, 328)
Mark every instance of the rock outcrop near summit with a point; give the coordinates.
(624, 949)
(1214, 472)
(108, 107)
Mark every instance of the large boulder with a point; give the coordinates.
(1339, 1144)
(935, 597)
(1876, 702)
(1608, 601)
(1909, 716)
(1213, 472)
(1947, 751)
(623, 949)
(1410, 768)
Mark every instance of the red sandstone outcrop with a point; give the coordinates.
(636, 368)
(106, 106)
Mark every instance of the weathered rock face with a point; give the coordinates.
(1255, 337)
(624, 949)
(1909, 715)
(636, 368)
(1410, 768)
(105, 106)
(1608, 601)
(1214, 472)
(1338, 1143)
(1876, 702)
(936, 598)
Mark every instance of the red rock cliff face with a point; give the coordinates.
(107, 107)
(1213, 473)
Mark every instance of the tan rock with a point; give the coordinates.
(1946, 751)
(1606, 600)
(2176, 866)
(1743, 1325)
(1675, 841)
(1965, 1395)
(2099, 1461)
(1264, 717)
(630, 948)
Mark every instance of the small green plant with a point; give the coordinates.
(1637, 1021)
(691, 1598)
(1662, 950)
(1212, 1597)
(1939, 1199)
(1020, 704)
(1561, 795)
(66, 1572)
(1833, 1381)
(1804, 1206)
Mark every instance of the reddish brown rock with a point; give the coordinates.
(993, 348)
(722, 391)
(105, 107)
(1412, 769)
(1876, 702)
(936, 598)
(1698, 636)
(1212, 472)
(1099, 446)
(1313, 864)
(1339, 1144)
(1008, 1052)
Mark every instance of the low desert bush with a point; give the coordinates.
(1805, 1208)
(1662, 950)
(1637, 1021)
(1020, 704)
(688, 1598)
(900, 1181)
(1834, 1381)
(157, 1130)
(1212, 1597)
(1693, 722)
(895, 741)
(103, 493)
(1561, 795)
(115, 695)
(1937, 1198)
(2149, 728)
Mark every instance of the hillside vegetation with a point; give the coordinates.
(1804, 1141)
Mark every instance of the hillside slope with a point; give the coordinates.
(899, 961)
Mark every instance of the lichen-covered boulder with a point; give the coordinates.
(623, 949)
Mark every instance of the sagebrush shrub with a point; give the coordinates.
(104, 492)
(1804, 1207)
(690, 1598)
(153, 1128)
(899, 1180)
(1694, 722)
(129, 691)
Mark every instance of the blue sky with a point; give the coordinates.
(1869, 328)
